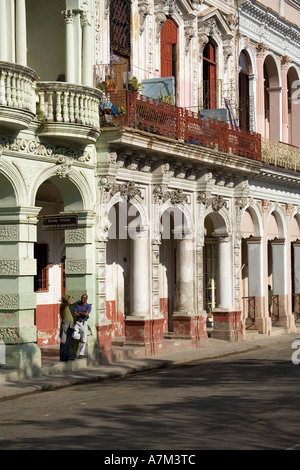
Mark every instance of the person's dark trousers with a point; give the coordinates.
(65, 347)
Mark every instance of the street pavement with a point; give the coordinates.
(60, 375)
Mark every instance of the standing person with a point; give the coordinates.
(66, 328)
(81, 313)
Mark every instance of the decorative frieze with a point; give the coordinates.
(34, 147)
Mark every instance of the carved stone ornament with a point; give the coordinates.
(144, 10)
(160, 19)
(64, 166)
(240, 203)
(216, 202)
(161, 194)
(126, 190)
(261, 48)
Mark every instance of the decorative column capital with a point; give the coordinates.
(261, 48)
(285, 62)
(69, 16)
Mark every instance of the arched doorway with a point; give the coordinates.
(295, 266)
(127, 267)
(174, 256)
(276, 274)
(251, 270)
(217, 264)
(272, 99)
(53, 197)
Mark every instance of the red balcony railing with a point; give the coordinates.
(138, 111)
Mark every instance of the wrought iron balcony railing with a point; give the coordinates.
(131, 109)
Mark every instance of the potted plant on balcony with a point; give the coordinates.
(108, 86)
(134, 85)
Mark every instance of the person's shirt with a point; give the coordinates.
(80, 308)
(66, 314)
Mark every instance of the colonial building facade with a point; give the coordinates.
(149, 156)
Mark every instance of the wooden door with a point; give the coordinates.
(168, 41)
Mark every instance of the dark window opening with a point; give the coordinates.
(41, 282)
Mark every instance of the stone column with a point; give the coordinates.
(224, 273)
(3, 31)
(21, 33)
(140, 328)
(255, 279)
(187, 324)
(87, 66)
(70, 52)
(279, 269)
(261, 50)
(17, 298)
(227, 321)
(285, 61)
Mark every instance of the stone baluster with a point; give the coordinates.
(13, 90)
(58, 106)
(65, 107)
(76, 108)
(8, 90)
(2, 87)
(50, 106)
(71, 107)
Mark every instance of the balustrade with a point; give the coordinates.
(280, 154)
(68, 103)
(16, 87)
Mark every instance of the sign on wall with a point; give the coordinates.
(59, 222)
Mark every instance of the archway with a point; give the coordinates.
(276, 267)
(272, 92)
(295, 266)
(174, 256)
(217, 263)
(126, 266)
(53, 196)
(251, 268)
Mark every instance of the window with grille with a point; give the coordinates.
(120, 27)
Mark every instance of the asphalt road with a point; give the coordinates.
(248, 401)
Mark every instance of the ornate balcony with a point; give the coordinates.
(280, 154)
(68, 112)
(127, 108)
(17, 96)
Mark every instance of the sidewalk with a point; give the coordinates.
(60, 375)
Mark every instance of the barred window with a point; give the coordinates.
(120, 27)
